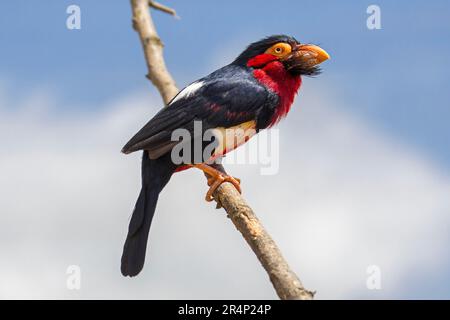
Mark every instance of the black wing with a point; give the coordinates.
(225, 98)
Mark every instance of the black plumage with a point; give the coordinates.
(155, 175)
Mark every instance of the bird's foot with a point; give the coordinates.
(216, 178)
(215, 182)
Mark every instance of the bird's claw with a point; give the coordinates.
(215, 182)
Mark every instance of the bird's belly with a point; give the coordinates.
(229, 139)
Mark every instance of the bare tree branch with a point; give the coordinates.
(284, 280)
(153, 51)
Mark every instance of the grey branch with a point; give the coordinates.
(284, 280)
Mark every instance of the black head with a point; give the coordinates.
(297, 58)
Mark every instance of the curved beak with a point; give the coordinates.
(304, 59)
(310, 54)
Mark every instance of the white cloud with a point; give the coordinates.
(346, 197)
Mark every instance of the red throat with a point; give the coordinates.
(275, 77)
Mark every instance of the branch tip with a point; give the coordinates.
(158, 6)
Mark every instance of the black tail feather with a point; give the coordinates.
(155, 175)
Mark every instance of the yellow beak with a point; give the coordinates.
(312, 54)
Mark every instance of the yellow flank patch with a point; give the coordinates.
(231, 138)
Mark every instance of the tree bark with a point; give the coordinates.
(285, 281)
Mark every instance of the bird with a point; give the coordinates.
(252, 93)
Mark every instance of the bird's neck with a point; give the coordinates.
(276, 78)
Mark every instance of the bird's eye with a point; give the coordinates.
(280, 49)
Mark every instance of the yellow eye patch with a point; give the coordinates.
(280, 49)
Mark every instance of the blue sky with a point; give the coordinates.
(385, 91)
(397, 77)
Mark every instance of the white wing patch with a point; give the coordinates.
(188, 91)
